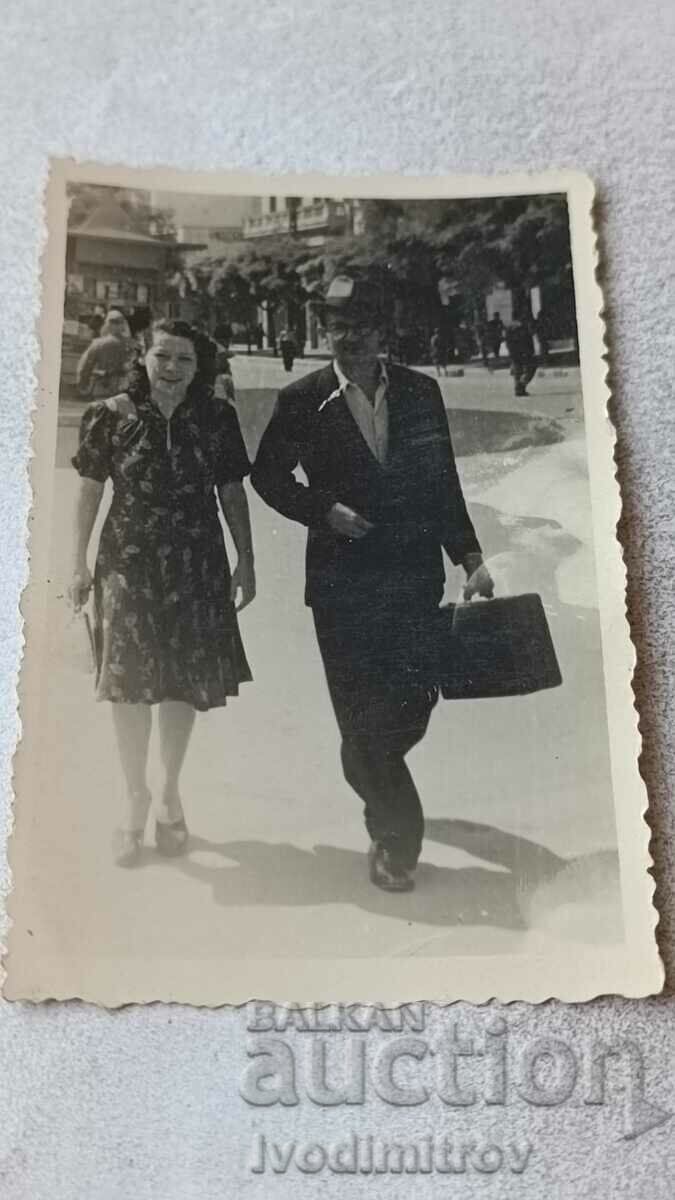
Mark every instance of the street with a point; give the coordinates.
(517, 792)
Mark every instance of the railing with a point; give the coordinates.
(328, 213)
(276, 222)
(324, 214)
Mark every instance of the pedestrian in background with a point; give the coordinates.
(495, 335)
(542, 328)
(482, 338)
(520, 345)
(439, 354)
(103, 368)
(288, 348)
(223, 333)
(465, 342)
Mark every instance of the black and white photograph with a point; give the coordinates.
(326, 653)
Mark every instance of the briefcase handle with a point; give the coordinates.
(461, 605)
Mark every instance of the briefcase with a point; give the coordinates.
(499, 647)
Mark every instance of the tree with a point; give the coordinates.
(269, 277)
(230, 292)
(191, 286)
(477, 269)
(85, 198)
(535, 248)
(409, 248)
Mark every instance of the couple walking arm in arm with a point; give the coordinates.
(382, 499)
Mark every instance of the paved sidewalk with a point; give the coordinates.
(552, 392)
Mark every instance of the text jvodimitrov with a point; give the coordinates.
(462, 1067)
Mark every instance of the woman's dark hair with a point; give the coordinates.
(175, 328)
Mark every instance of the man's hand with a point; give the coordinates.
(243, 581)
(80, 587)
(349, 524)
(479, 581)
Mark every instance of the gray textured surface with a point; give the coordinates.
(143, 1103)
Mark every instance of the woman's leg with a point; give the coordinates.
(132, 724)
(176, 720)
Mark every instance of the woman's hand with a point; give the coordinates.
(243, 581)
(80, 586)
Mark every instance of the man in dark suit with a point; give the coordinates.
(382, 498)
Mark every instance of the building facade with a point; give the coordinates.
(313, 218)
(111, 265)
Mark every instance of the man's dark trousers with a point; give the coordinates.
(383, 696)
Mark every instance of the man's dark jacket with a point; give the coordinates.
(415, 501)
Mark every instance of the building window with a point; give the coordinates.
(142, 293)
(273, 204)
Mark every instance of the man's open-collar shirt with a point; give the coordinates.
(372, 419)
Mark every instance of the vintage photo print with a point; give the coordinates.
(326, 692)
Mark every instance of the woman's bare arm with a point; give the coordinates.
(87, 505)
(235, 509)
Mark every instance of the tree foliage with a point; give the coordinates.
(85, 198)
(409, 247)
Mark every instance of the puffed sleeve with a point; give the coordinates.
(231, 459)
(94, 455)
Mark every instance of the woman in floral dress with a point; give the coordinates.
(165, 625)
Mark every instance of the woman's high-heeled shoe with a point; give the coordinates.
(171, 837)
(128, 846)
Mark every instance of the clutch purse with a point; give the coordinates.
(78, 643)
(491, 648)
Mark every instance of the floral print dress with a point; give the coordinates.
(165, 626)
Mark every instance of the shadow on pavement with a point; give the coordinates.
(283, 875)
(504, 895)
(486, 431)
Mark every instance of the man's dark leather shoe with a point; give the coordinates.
(385, 874)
